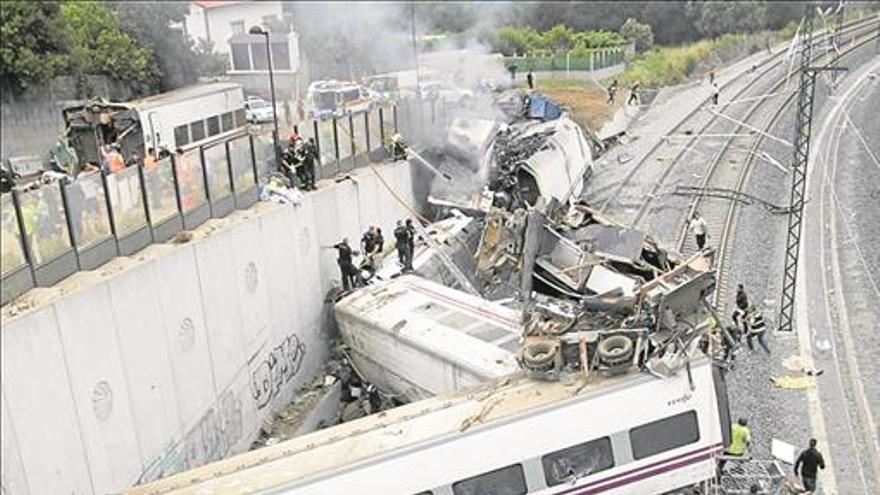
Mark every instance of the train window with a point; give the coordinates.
(665, 434)
(197, 130)
(578, 461)
(181, 135)
(213, 125)
(240, 117)
(508, 480)
(227, 121)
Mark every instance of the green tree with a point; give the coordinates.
(713, 19)
(558, 39)
(640, 34)
(33, 45)
(98, 46)
(512, 40)
(158, 26)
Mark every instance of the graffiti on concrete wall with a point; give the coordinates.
(211, 439)
(276, 369)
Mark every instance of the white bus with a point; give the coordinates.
(184, 118)
(629, 434)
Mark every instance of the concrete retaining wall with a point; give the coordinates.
(175, 356)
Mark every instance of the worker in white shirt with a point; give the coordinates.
(698, 226)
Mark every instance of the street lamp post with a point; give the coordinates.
(257, 30)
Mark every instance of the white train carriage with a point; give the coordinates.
(417, 338)
(630, 434)
(184, 118)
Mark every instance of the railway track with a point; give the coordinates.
(697, 122)
(720, 219)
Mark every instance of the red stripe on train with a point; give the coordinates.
(488, 314)
(644, 472)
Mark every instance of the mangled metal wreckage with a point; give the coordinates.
(581, 293)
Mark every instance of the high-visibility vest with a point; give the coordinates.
(115, 161)
(756, 323)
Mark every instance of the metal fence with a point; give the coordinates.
(51, 232)
(597, 59)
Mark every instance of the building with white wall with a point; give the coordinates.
(226, 25)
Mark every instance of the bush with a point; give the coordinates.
(638, 33)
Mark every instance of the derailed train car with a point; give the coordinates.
(510, 436)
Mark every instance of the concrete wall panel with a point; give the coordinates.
(349, 211)
(308, 267)
(41, 406)
(217, 279)
(251, 275)
(185, 329)
(179, 358)
(12, 477)
(144, 347)
(100, 388)
(329, 229)
(280, 255)
(369, 211)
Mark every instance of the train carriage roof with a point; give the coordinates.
(366, 438)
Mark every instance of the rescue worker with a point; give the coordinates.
(401, 242)
(742, 306)
(150, 159)
(346, 266)
(112, 159)
(309, 156)
(756, 328)
(807, 463)
(288, 165)
(740, 441)
(530, 79)
(398, 147)
(376, 255)
(612, 90)
(633, 95)
(698, 226)
(368, 244)
(411, 240)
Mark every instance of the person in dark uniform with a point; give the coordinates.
(808, 463)
(530, 79)
(411, 241)
(742, 307)
(346, 266)
(309, 156)
(288, 165)
(401, 240)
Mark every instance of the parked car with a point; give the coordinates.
(258, 110)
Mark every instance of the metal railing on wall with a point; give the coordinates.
(53, 231)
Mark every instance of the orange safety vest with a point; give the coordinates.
(115, 161)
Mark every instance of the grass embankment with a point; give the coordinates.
(585, 101)
(670, 65)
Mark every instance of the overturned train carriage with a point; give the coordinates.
(514, 436)
(417, 339)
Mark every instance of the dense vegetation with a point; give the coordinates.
(137, 43)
